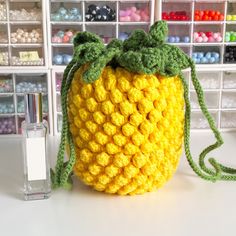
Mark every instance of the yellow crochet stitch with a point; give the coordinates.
(127, 129)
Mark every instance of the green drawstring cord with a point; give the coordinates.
(141, 53)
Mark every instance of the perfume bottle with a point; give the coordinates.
(37, 184)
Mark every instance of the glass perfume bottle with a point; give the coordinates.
(37, 184)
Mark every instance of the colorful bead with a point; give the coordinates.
(7, 125)
(206, 58)
(175, 16)
(134, 14)
(204, 37)
(64, 14)
(208, 15)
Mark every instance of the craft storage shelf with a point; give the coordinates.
(67, 18)
(209, 31)
(23, 34)
(13, 85)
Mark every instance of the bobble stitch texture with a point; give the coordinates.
(117, 157)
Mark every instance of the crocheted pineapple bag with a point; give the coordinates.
(123, 114)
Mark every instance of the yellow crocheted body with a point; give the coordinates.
(127, 129)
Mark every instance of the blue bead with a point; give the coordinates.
(62, 11)
(55, 17)
(197, 61)
(177, 39)
(203, 60)
(66, 17)
(200, 55)
(123, 36)
(60, 33)
(74, 11)
(171, 39)
(186, 39)
(58, 59)
(67, 59)
(212, 60)
(194, 59)
(208, 55)
(195, 54)
(215, 54)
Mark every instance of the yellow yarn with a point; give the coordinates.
(127, 129)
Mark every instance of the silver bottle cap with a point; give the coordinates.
(33, 108)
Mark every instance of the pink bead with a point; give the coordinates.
(128, 12)
(122, 13)
(211, 39)
(133, 9)
(215, 35)
(202, 34)
(205, 39)
(54, 39)
(135, 17)
(125, 18)
(145, 18)
(219, 39)
(199, 39)
(69, 33)
(195, 35)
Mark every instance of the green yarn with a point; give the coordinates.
(145, 53)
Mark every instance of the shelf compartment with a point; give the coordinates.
(6, 83)
(7, 125)
(208, 80)
(3, 11)
(177, 12)
(20, 118)
(106, 33)
(27, 56)
(206, 55)
(64, 34)
(230, 33)
(229, 80)
(198, 121)
(231, 11)
(26, 34)
(61, 55)
(33, 83)
(58, 102)
(21, 104)
(179, 33)
(230, 54)
(228, 119)
(186, 49)
(208, 33)
(6, 104)
(66, 11)
(134, 12)
(4, 56)
(59, 78)
(211, 99)
(204, 11)
(228, 99)
(126, 30)
(3, 33)
(101, 11)
(25, 11)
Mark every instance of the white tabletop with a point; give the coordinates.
(185, 206)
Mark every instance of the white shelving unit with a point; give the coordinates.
(33, 73)
(15, 96)
(218, 80)
(107, 29)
